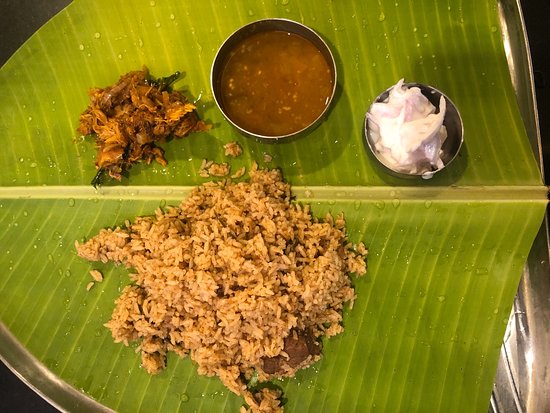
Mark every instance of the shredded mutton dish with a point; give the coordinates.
(130, 117)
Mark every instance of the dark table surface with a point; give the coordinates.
(19, 19)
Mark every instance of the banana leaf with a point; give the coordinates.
(445, 256)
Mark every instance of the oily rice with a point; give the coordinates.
(238, 277)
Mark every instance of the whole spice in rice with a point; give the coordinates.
(236, 277)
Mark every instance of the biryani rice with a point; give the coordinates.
(234, 278)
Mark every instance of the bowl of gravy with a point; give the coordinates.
(274, 79)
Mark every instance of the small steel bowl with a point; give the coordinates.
(452, 122)
(273, 24)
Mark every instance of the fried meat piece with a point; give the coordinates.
(130, 117)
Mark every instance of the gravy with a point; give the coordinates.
(275, 83)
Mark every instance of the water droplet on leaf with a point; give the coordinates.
(482, 271)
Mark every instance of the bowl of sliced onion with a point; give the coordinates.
(413, 130)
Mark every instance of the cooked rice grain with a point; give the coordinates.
(239, 172)
(96, 275)
(211, 168)
(232, 149)
(232, 277)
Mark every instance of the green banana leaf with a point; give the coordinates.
(445, 256)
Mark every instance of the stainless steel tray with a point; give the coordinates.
(521, 380)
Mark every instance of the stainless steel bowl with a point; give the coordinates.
(452, 122)
(273, 24)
